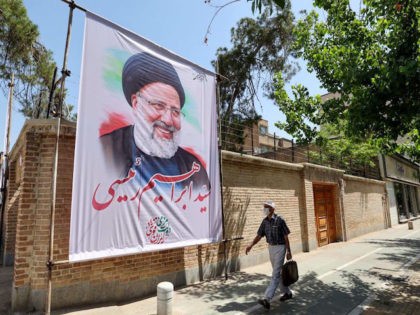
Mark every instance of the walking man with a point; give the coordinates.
(276, 232)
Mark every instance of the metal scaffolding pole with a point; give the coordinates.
(5, 163)
(220, 169)
(64, 73)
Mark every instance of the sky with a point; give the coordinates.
(177, 25)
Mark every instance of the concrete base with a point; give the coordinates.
(353, 233)
(313, 244)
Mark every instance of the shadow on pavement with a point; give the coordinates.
(238, 285)
(311, 295)
(314, 296)
(401, 297)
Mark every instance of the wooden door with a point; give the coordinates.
(324, 214)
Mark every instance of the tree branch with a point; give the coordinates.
(214, 16)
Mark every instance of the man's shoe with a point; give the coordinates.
(264, 303)
(286, 296)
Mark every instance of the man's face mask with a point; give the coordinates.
(266, 211)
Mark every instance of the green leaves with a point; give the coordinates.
(258, 4)
(302, 113)
(260, 48)
(371, 59)
(22, 54)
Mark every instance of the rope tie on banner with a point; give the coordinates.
(50, 264)
(233, 239)
(220, 78)
(73, 5)
(66, 73)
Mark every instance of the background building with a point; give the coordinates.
(402, 179)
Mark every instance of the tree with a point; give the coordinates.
(371, 60)
(34, 94)
(261, 47)
(338, 149)
(259, 4)
(22, 54)
(303, 112)
(346, 152)
(256, 5)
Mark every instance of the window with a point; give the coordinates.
(263, 130)
(399, 196)
(264, 149)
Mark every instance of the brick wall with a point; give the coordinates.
(248, 182)
(363, 205)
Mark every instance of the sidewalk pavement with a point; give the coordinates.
(377, 273)
(402, 296)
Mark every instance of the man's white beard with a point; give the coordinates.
(148, 143)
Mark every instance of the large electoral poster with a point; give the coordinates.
(146, 173)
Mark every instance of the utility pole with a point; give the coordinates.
(9, 116)
(5, 162)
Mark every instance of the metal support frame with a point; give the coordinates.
(218, 79)
(225, 240)
(65, 73)
(50, 98)
(4, 171)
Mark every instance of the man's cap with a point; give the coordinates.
(270, 204)
(142, 69)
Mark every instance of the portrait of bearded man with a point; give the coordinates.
(151, 145)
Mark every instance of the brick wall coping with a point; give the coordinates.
(237, 157)
(363, 179)
(16, 147)
(47, 126)
(321, 167)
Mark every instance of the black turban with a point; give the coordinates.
(142, 69)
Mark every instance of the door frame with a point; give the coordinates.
(330, 212)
